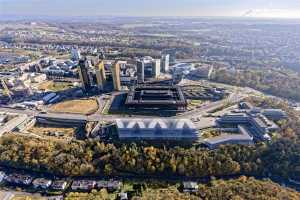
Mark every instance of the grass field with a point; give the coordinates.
(194, 104)
(81, 106)
(43, 130)
(210, 133)
(28, 197)
(55, 86)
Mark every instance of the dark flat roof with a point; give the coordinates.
(155, 95)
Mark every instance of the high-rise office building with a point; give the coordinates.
(75, 54)
(84, 74)
(101, 55)
(116, 76)
(156, 68)
(140, 71)
(165, 63)
(172, 55)
(147, 68)
(100, 75)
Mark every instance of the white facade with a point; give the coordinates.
(165, 63)
(75, 54)
(157, 129)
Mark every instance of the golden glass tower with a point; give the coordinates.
(100, 75)
(116, 76)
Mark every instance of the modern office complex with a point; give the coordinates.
(128, 75)
(274, 114)
(147, 68)
(271, 114)
(261, 127)
(243, 137)
(84, 76)
(234, 118)
(259, 124)
(172, 55)
(140, 71)
(259, 121)
(156, 97)
(157, 130)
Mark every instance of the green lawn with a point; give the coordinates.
(55, 86)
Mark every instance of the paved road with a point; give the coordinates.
(4, 195)
(94, 117)
(233, 98)
(9, 126)
(18, 111)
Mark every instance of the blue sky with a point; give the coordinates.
(256, 8)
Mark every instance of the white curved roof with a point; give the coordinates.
(149, 123)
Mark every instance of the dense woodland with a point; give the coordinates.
(278, 83)
(236, 189)
(94, 158)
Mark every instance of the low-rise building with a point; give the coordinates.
(41, 183)
(274, 114)
(55, 198)
(114, 185)
(83, 185)
(244, 137)
(101, 184)
(19, 179)
(234, 118)
(47, 98)
(2, 176)
(111, 185)
(190, 186)
(261, 126)
(122, 196)
(258, 124)
(157, 129)
(160, 97)
(245, 105)
(59, 185)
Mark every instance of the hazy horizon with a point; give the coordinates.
(159, 8)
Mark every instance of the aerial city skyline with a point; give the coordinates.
(149, 99)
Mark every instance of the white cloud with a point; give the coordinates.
(272, 13)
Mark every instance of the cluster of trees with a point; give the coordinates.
(165, 193)
(234, 189)
(78, 158)
(245, 188)
(93, 195)
(278, 83)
